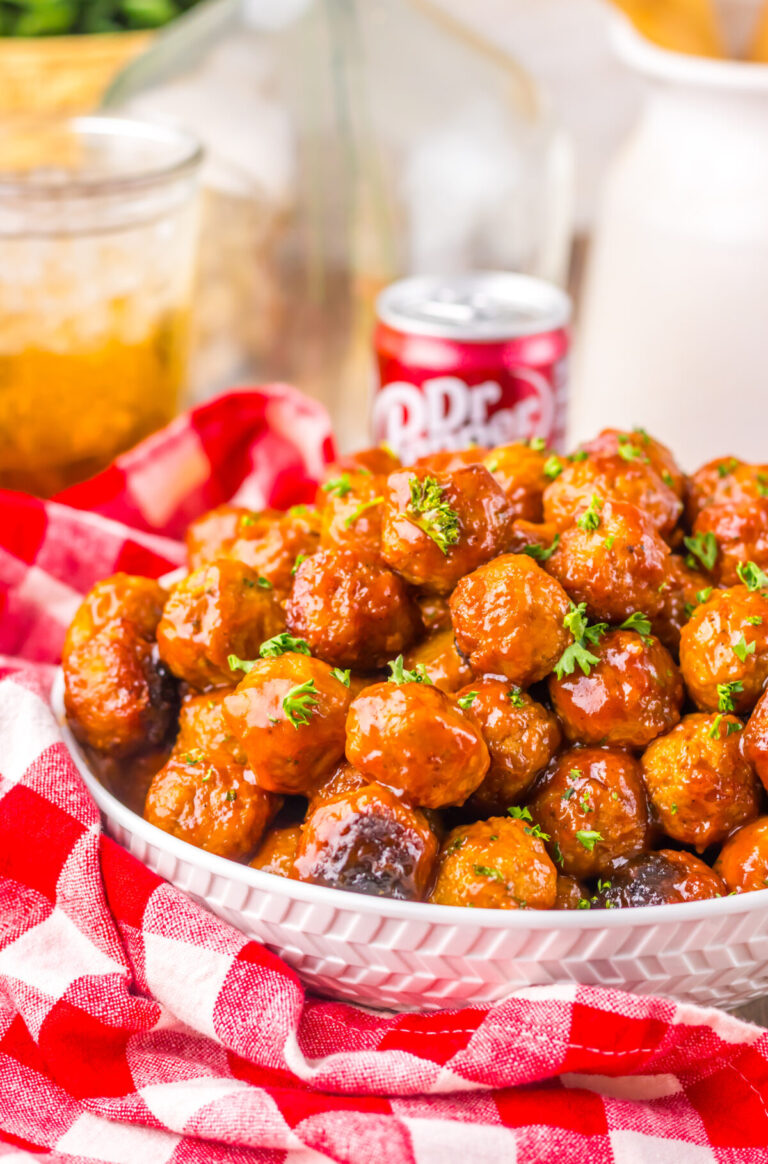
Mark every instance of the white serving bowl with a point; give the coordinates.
(412, 956)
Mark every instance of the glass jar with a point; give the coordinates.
(97, 246)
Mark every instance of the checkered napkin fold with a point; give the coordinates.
(136, 1028)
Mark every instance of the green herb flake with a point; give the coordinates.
(630, 452)
(725, 694)
(339, 486)
(584, 903)
(486, 871)
(362, 508)
(725, 468)
(578, 653)
(557, 854)
(741, 648)
(299, 559)
(492, 464)
(752, 576)
(401, 675)
(431, 513)
(520, 813)
(281, 644)
(248, 519)
(702, 547)
(553, 467)
(539, 553)
(579, 455)
(667, 478)
(535, 831)
(640, 623)
(344, 677)
(538, 444)
(264, 583)
(300, 703)
(237, 664)
(755, 620)
(704, 595)
(590, 518)
(231, 794)
(608, 542)
(588, 838)
(466, 701)
(193, 757)
(455, 845)
(516, 697)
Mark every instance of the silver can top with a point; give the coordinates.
(478, 305)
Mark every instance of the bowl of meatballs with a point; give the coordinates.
(491, 720)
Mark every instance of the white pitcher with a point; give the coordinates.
(675, 320)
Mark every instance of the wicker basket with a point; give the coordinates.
(63, 74)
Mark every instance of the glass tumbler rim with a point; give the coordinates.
(43, 184)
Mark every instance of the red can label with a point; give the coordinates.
(437, 393)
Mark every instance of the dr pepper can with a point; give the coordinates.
(479, 358)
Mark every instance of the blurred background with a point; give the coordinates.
(279, 162)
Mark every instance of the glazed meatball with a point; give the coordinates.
(724, 481)
(612, 478)
(699, 785)
(277, 852)
(350, 512)
(351, 609)
(289, 713)
(368, 841)
(217, 808)
(495, 864)
(743, 860)
(136, 600)
(612, 559)
(724, 650)
(212, 535)
(414, 738)
(754, 741)
(436, 528)
(536, 540)
(521, 471)
(508, 619)
(438, 655)
(216, 611)
(570, 893)
(204, 734)
(591, 803)
(663, 878)
(638, 445)
(343, 779)
(740, 534)
(449, 460)
(273, 546)
(632, 694)
(119, 698)
(683, 590)
(521, 737)
(380, 461)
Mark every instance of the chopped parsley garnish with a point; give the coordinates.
(281, 644)
(590, 518)
(584, 903)
(579, 455)
(264, 583)
(362, 508)
(342, 676)
(639, 623)
(725, 468)
(741, 648)
(339, 486)
(608, 542)
(538, 444)
(578, 654)
(752, 576)
(667, 478)
(520, 813)
(193, 757)
(539, 553)
(401, 675)
(673, 809)
(299, 559)
(588, 838)
(248, 519)
(762, 484)
(535, 831)
(703, 547)
(486, 871)
(553, 467)
(466, 701)
(730, 728)
(455, 845)
(492, 465)
(516, 697)
(557, 853)
(725, 694)
(231, 794)
(705, 594)
(755, 620)
(429, 510)
(629, 452)
(300, 702)
(237, 664)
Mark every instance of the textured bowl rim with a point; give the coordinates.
(388, 908)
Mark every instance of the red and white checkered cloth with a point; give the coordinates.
(135, 1028)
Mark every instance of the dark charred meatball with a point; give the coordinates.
(663, 878)
(368, 841)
